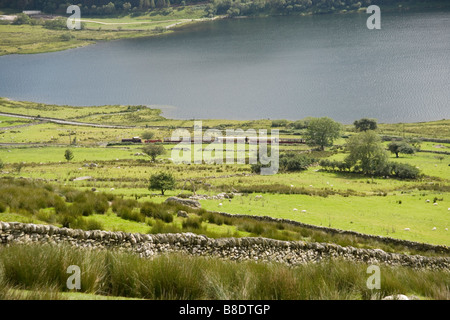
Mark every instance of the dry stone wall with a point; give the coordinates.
(388, 240)
(256, 249)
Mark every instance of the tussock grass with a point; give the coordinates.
(41, 270)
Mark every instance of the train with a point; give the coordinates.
(247, 140)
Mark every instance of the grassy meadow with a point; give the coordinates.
(105, 186)
(335, 199)
(39, 272)
(28, 39)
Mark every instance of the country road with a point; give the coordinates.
(66, 122)
(74, 123)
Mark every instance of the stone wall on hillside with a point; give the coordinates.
(419, 246)
(256, 249)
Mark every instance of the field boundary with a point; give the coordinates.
(388, 240)
(237, 249)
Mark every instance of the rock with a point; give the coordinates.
(82, 178)
(182, 214)
(186, 202)
(396, 297)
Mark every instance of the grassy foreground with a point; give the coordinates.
(41, 270)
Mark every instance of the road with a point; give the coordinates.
(62, 121)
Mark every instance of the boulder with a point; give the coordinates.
(186, 202)
(396, 297)
(182, 214)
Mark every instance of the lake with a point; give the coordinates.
(257, 68)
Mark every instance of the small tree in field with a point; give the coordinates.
(365, 124)
(366, 152)
(322, 132)
(68, 155)
(162, 181)
(153, 150)
(147, 135)
(400, 147)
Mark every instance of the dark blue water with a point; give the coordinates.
(277, 68)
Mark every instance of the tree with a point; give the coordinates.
(126, 6)
(148, 135)
(160, 3)
(162, 181)
(322, 132)
(68, 155)
(153, 150)
(400, 147)
(22, 18)
(415, 143)
(365, 124)
(367, 152)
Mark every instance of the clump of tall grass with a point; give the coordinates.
(192, 223)
(160, 227)
(161, 211)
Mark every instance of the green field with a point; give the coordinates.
(26, 39)
(342, 200)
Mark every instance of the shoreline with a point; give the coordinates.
(110, 35)
(5, 113)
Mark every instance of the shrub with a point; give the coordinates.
(56, 24)
(161, 227)
(192, 223)
(67, 37)
(162, 181)
(157, 211)
(92, 224)
(291, 162)
(22, 18)
(2, 207)
(405, 171)
(130, 214)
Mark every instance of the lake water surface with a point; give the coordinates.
(277, 68)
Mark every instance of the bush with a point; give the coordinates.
(92, 224)
(67, 36)
(56, 24)
(405, 171)
(162, 181)
(130, 214)
(3, 207)
(22, 18)
(192, 223)
(279, 123)
(157, 211)
(161, 227)
(292, 162)
(391, 169)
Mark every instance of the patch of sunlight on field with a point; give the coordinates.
(377, 215)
